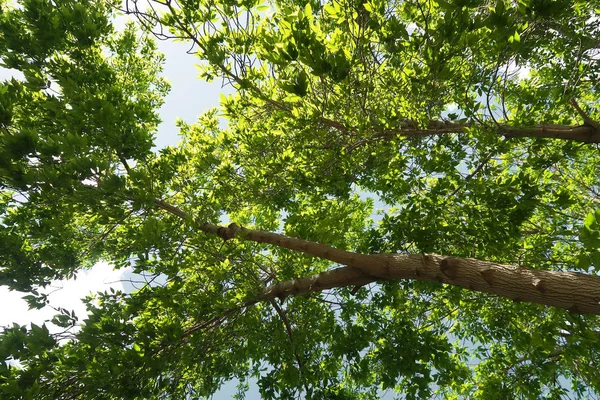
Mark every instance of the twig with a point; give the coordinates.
(482, 163)
(586, 118)
(125, 165)
(288, 328)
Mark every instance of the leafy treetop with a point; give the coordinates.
(473, 124)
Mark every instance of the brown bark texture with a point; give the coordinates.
(586, 133)
(576, 292)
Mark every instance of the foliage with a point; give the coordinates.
(440, 111)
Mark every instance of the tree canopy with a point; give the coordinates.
(399, 196)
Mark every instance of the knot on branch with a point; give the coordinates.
(449, 267)
(229, 232)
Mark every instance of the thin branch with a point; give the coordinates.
(482, 164)
(288, 328)
(586, 118)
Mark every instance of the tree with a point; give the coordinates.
(488, 177)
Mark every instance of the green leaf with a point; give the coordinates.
(583, 261)
(308, 10)
(262, 8)
(590, 220)
(595, 260)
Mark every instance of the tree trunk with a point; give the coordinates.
(576, 292)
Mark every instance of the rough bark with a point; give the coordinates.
(587, 133)
(338, 277)
(576, 292)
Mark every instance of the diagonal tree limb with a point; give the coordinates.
(576, 292)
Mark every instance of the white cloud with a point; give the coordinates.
(66, 294)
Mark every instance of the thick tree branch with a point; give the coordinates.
(573, 291)
(586, 133)
(338, 277)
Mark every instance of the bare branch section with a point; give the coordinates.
(587, 133)
(576, 292)
(339, 277)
